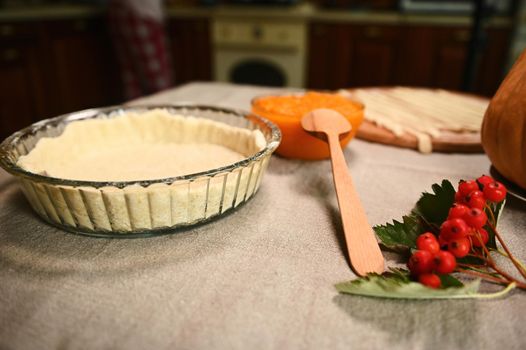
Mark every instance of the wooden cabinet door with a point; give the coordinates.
(19, 87)
(329, 56)
(50, 68)
(437, 57)
(343, 55)
(434, 56)
(375, 55)
(191, 49)
(81, 67)
(492, 65)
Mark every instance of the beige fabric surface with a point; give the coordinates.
(260, 278)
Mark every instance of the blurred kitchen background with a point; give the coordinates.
(61, 56)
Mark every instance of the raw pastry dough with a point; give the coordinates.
(424, 113)
(152, 145)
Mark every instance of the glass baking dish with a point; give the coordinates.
(139, 208)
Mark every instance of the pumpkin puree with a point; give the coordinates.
(287, 110)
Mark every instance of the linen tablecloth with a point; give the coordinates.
(260, 278)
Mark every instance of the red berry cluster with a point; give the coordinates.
(462, 231)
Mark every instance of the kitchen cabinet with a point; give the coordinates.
(434, 56)
(50, 68)
(343, 55)
(21, 88)
(18, 87)
(328, 48)
(437, 57)
(492, 68)
(375, 50)
(349, 55)
(191, 49)
(82, 67)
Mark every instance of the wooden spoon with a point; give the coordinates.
(364, 253)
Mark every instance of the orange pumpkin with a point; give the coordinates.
(504, 126)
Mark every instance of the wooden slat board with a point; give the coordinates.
(448, 141)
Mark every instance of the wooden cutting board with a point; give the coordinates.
(448, 141)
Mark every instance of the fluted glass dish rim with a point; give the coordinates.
(9, 163)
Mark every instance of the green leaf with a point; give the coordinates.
(434, 207)
(429, 213)
(471, 260)
(395, 272)
(400, 236)
(450, 281)
(393, 286)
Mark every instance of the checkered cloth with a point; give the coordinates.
(142, 50)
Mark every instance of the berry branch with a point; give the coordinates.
(490, 263)
(504, 254)
(449, 231)
(464, 235)
(490, 278)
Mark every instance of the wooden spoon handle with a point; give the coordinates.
(364, 252)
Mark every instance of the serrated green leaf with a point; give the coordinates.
(400, 235)
(434, 207)
(392, 286)
(396, 272)
(429, 213)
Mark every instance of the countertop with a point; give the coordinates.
(43, 12)
(302, 12)
(307, 12)
(260, 278)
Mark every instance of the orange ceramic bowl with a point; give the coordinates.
(287, 110)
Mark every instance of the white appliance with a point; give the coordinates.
(460, 6)
(259, 51)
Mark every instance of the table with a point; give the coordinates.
(260, 278)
